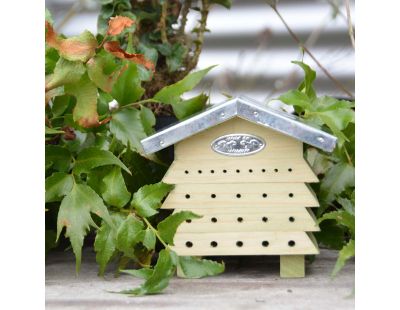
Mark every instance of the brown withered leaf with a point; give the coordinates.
(80, 48)
(114, 48)
(117, 24)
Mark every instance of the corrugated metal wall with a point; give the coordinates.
(251, 45)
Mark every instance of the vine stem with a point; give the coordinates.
(348, 156)
(298, 41)
(163, 22)
(155, 232)
(349, 23)
(138, 103)
(185, 11)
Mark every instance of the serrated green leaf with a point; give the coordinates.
(102, 71)
(309, 76)
(127, 127)
(143, 273)
(167, 228)
(128, 234)
(336, 180)
(114, 191)
(58, 185)
(149, 239)
(51, 58)
(195, 268)
(171, 93)
(176, 57)
(127, 89)
(74, 214)
(296, 98)
(186, 108)
(347, 252)
(85, 111)
(93, 157)
(148, 120)
(59, 157)
(159, 279)
(347, 204)
(331, 235)
(65, 72)
(342, 217)
(148, 198)
(61, 104)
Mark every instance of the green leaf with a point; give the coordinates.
(102, 71)
(225, 3)
(296, 98)
(52, 131)
(331, 235)
(48, 16)
(65, 72)
(167, 228)
(171, 93)
(127, 127)
(128, 234)
(347, 204)
(309, 76)
(59, 157)
(93, 157)
(342, 217)
(148, 120)
(347, 252)
(143, 273)
(148, 198)
(78, 48)
(195, 268)
(58, 185)
(336, 180)
(176, 57)
(74, 214)
(114, 191)
(61, 104)
(127, 88)
(85, 111)
(51, 58)
(149, 239)
(188, 107)
(159, 279)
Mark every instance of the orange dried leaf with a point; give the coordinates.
(117, 24)
(114, 48)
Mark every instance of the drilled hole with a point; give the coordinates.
(224, 171)
(237, 171)
(291, 195)
(265, 219)
(291, 243)
(199, 171)
(251, 170)
(186, 171)
(291, 219)
(188, 221)
(187, 196)
(214, 219)
(290, 169)
(213, 195)
(238, 195)
(276, 170)
(265, 195)
(212, 171)
(189, 244)
(240, 219)
(214, 244)
(265, 243)
(239, 244)
(262, 170)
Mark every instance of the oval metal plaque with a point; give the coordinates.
(238, 144)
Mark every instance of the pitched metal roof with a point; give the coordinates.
(245, 108)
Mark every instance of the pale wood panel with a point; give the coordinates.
(252, 243)
(185, 196)
(254, 171)
(269, 219)
(292, 266)
(277, 145)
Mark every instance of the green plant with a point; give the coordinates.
(335, 171)
(97, 109)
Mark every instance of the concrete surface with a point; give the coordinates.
(248, 282)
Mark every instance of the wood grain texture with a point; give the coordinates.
(240, 195)
(292, 266)
(201, 244)
(250, 170)
(257, 220)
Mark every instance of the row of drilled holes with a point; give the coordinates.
(238, 171)
(239, 243)
(240, 219)
(264, 195)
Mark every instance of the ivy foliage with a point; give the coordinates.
(98, 180)
(336, 172)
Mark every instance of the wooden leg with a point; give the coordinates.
(292, 266)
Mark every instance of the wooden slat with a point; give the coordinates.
(244, 195)
(270, 219)
(252, 243)
(250, 170)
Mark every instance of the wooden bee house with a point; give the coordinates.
(240, 165)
